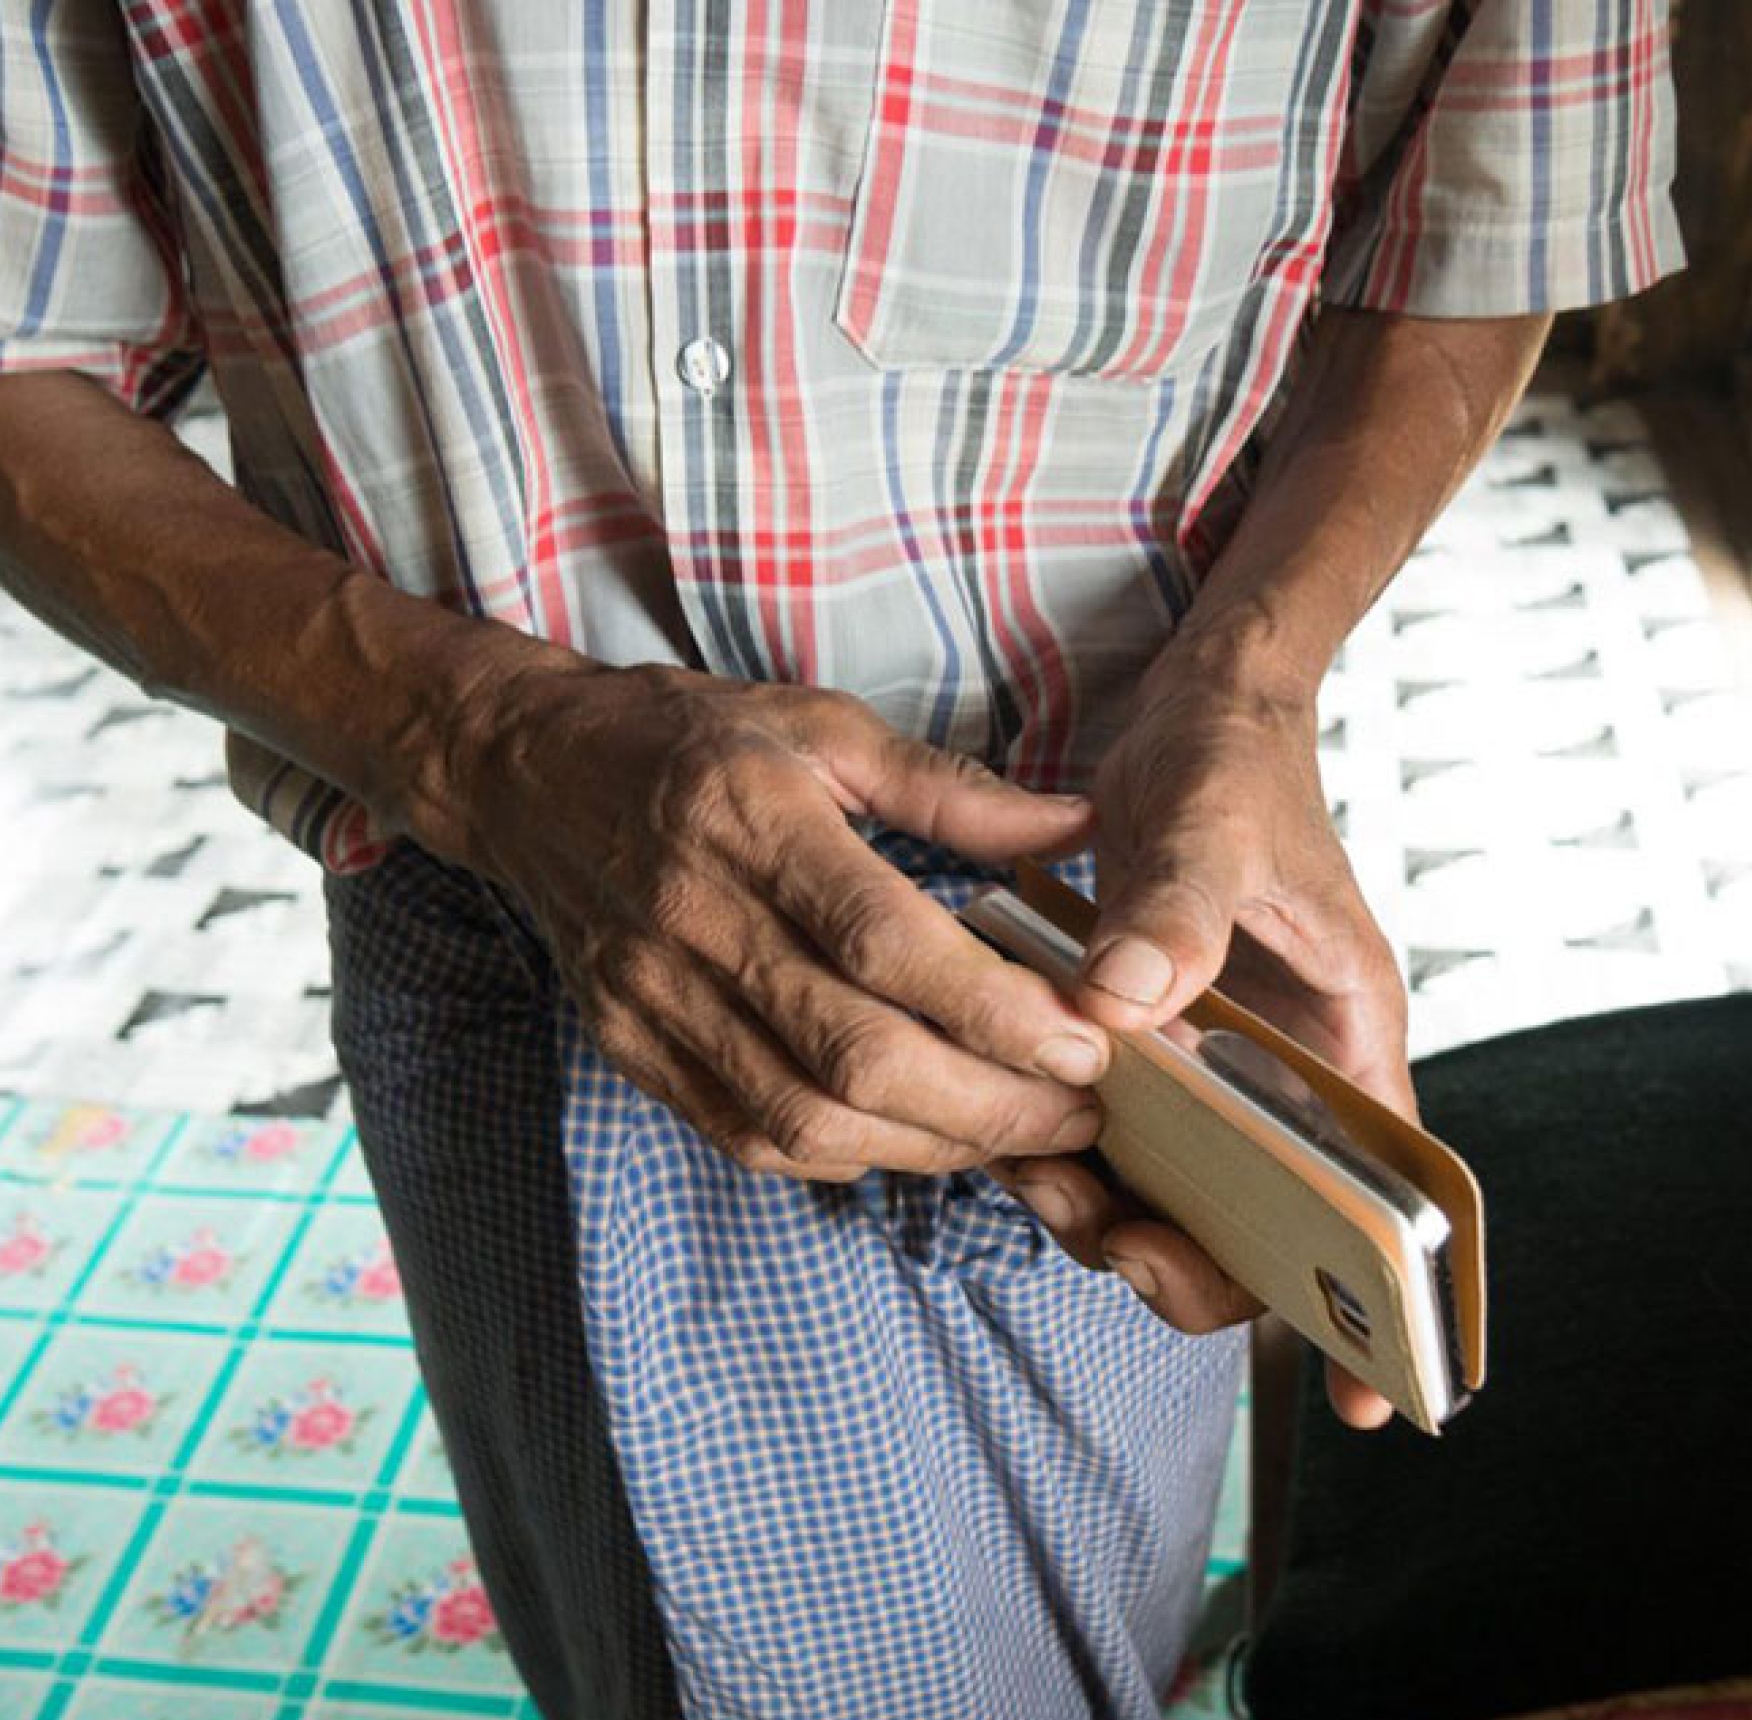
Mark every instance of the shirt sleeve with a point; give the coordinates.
(91, 275)
(1505, 157)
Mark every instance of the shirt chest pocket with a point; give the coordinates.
(1090, 187)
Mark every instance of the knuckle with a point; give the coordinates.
(857, 1054)
(964, 769)
(864, 936)
(630, 969)
(691, 788)
(986, 1013)
(1009, 1123)
(673, 905)
(797, 1121)
(748, 1147)
(612, 1029)
(942, 1156)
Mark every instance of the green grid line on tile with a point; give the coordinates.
(204, 1677)
(28, 1659)
(272, 1329)
(198, 1191)
(55, 1703)
(251, 1492)
(110, 1596)
(167, 1146)
(271, 1286)
(402, 1444)
(426, 1701)
(71, 1477)
(340, 1594)
(427, 1508)
(349, 1141)
(268, 1329)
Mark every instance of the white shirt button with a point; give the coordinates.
(703, 364)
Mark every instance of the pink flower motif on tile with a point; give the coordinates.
(314, 1419)
(204, 1264)
(368, 1275)
(320, 1426)
(275, 1141)
(198, 1261)
(25, 1250)
(463, 1616)
(266, 1143)
(380, 1281)
(33, 1570)
(123, 1403)
(447, 1611)
(123, 1410)
(245, 1585)
(85, 1129)
(105, 1129)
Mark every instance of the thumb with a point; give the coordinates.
(1158, 942)
(955, 801)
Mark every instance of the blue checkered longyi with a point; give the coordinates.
(734, 1446)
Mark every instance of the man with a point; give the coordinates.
(716, 482)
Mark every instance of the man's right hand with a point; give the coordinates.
(743, 955)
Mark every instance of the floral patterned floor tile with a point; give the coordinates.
(299, 1414)
(419, 1613)
(342, 1277)
(273, 1154)
(118, 1402)
(47, 1238)
(191, 1257)
(52, 1142)
(59, 1547)
(228, 1584)
(221, 1494)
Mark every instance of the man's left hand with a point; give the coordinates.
(1218, 863)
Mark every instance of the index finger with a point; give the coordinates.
(892, 939)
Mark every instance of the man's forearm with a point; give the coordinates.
(1387, 418)
(121, 539)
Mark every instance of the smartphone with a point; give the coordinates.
(1211, 1131)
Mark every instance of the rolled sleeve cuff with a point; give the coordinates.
(1462, 268)
(149, 380)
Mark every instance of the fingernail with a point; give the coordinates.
(1134, 970)
(1047, 1201)
(1072, 802)
(1082, 1128)
(1071, 1058)
(1135, 1273)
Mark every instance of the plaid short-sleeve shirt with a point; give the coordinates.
(909, 347)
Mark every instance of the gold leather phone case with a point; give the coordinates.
(1367, 1238)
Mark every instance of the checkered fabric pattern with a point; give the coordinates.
(910, 348)
(887, 1450)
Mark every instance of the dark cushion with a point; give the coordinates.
(1585, 1527)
